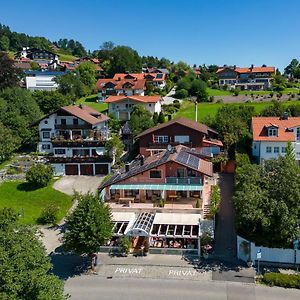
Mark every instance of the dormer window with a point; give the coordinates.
(272, 131)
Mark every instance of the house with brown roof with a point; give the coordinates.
(271, 135)
(116, 87)
(197, 136)
(121, 106)
(177, 171)
(253, 78)
(75, 137)
(157, 79)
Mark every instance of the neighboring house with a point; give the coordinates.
(37, 54)
(75, 136)
(179, 131)
(253, 78)
(127, 87)
(271, 135)
(41, 80)
(158, 79)
(156, 70)
(121, 106)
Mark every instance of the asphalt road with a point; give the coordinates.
(95, 287)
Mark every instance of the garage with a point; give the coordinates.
(86, 169)
(71, 169)
(101, 169)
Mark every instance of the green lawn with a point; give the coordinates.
(216, 92)
(66, 57)
(187, 109)
(91, 101)
(17, 195)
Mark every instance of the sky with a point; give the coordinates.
(232, 32)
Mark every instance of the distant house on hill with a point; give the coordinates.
(253, 78)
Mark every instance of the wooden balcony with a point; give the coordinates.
(73, 126)
(184, 180)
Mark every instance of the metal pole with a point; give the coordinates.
(258, 271)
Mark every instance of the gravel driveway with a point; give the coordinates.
(81, 184)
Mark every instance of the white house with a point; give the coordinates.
(271, 135)
(120, 86)
(41, 80)
(121, 106)
(74, 137)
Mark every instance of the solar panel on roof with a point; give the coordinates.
(182, 157)
(193, 161)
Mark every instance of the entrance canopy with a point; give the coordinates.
(157, 187)
(142, 225)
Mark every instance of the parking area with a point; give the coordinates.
(82, 184)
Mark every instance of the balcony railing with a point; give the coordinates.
(164, 145)
(184, 180)
(73, 126)
(78, 143)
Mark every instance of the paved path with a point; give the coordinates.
(168, 99)
(81, 184)
(225, 235)
(95, 288)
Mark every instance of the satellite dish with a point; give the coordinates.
(169, 148)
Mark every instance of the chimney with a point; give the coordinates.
(285, 116)
(251, 66)
(142, 160)
(127, 167)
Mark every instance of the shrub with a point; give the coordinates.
(49, 214)
(282, 280)
(211, 99)
(124, 244)
(236, 92)
(39, 175)
(181, 94)
(161, 203)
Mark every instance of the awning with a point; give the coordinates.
(177, 219)
(157, 187)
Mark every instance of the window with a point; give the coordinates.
(46, 146)
(161, 139)
(276, 149)
(60, 151)
(272, 131)
(181, 139)
(75, 121)
(63, 121)
(298, 134)
(149, 104)
(46, 122)
(46, 135)
(283, 149)
(269, 149)
(155, 174)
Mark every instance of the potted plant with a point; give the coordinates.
(124, 245)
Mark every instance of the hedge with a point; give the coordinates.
(282, 280)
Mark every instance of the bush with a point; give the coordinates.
(181, 94)
(39, 175)
(49, 214)
(282, 280)
(124, 244)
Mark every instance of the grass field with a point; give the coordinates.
(66, 57)
(205, 110)
(91, 101)
(215, 92)
(17, 195)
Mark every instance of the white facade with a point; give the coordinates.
(264, 150)
(41, 82)
(122, 109)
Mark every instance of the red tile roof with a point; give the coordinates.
(182, 121)
(250, 70)
(144, 99)
(139, 76)
(118, 84)
(285, 134)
